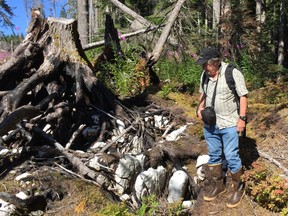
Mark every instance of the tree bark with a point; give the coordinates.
(281, 41)
(83, 20)
(49, 71)
(128, 35)
(216, 13)
(130, 12)
(155, 55)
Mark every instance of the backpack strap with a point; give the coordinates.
(231, 83)
(205, 80)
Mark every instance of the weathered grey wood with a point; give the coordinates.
(155, 55)
(132, 13)
(9, 122)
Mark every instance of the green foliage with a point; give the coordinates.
(92, 53)
(152, 206)
(183, 72)
(268, 189)
(284, 211)
(115, 210)
(176, 209)
(143, 7)
(149, 206)
(121, 75)
(260, 69)
(6, 15)
(250, 70)
(166, 89)
(14, 39)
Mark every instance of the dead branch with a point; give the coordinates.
(74, 136)
(9, 122)
(116, 139)
(127, 35)
(127, 10)
(76, 162)
(77, 175)
(274, 161)
(155, 55)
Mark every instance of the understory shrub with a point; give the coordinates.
(267, 188)
(180, 73)
(152, 205)
(123, 75)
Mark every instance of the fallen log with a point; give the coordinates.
(127, 35)
(76, 162)
(274, 161)
(155, 55)
(132, 13)
(9, 122)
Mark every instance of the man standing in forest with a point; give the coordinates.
(221, 134)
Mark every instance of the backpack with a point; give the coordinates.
(229, 80)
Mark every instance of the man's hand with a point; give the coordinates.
(241, 126)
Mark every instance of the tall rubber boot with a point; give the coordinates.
(218, 187)
(238, 189)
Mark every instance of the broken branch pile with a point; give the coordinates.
(52, 101)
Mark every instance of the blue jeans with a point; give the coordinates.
(224, 141)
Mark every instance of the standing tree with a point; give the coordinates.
(83, 20)
(5, 15)
(93, 18)
(260, 17)
(216, 15)
(281, 42)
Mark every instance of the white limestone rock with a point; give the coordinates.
(3, 152)
(177, 187)
(151, 181)
(201, 160)
(6, 209)
(142, 159)
(128, 168)
(24, 177)
(175, 135)
(94, 163)
(160, 121)
(187, 204)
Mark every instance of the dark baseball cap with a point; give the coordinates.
(206, 54)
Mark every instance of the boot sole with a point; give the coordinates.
(213, 198)
(236, 204)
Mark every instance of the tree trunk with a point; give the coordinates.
(83, 20)
(49, 69)
(130, 12)
(165, 33)
(216, 15)
(260, 13)
(281, 41)
(128, 35)
(260, 17)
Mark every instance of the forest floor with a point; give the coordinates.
(267, 131)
